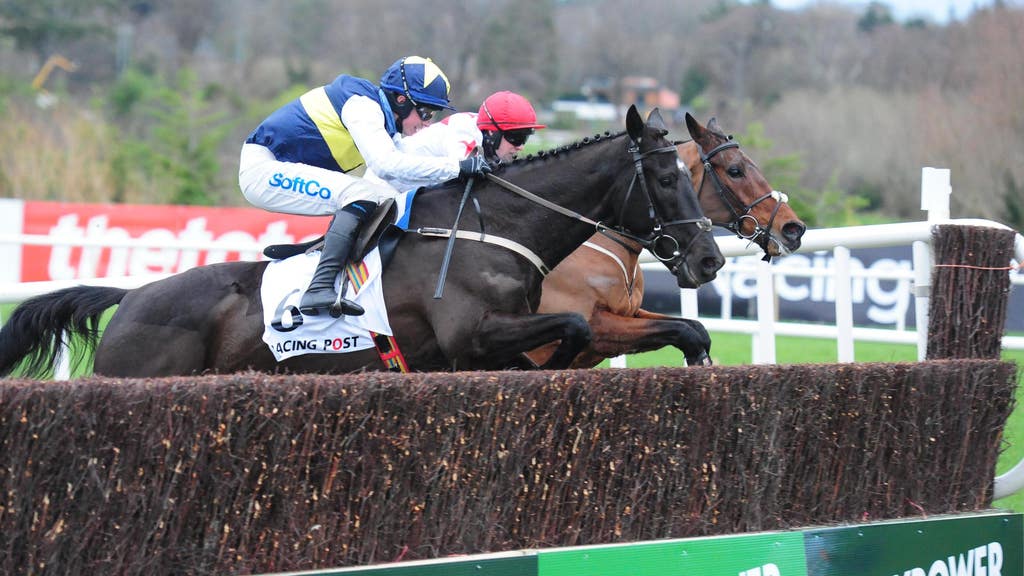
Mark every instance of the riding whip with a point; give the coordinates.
(451, 241)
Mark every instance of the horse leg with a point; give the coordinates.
(614, 335)
(501, 338)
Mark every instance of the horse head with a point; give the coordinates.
(661, 206)
(735, 194)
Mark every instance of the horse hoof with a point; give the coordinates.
(701, 360)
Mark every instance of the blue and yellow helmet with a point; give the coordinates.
(420, 80)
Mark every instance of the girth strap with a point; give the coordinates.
(488, 239)
(627, 278)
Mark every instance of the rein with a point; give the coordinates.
(761, 235)
(656, 236)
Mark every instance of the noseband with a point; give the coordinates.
(761, 235)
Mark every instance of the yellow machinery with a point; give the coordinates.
(44, 99)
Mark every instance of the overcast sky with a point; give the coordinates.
(935, 10)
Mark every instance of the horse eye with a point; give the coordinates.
(668, 180)
(735, 172)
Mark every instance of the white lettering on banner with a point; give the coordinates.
(984, 560)
(818, 282)
(888, 300)
(788, 290)
(141, 260)
(766, 570)
(120, 259)
(12, 221)
(891, 304)
(195, 231)
(147, 260)
(59, 267)
(233, 237)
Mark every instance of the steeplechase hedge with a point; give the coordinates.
(970, 291)
(256, 473)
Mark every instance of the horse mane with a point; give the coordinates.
(585, 141)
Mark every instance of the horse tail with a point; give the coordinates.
(33, 336)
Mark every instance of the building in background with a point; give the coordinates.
(607, 99)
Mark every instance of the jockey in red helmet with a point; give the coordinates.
(506, 121)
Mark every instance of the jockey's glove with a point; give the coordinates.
(474, 166)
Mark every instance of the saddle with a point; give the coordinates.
(379, 231)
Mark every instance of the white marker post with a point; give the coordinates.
(935, 193)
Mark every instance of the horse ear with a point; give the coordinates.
(656, 122)
(693, 126)
(713, 125)
(634, 124)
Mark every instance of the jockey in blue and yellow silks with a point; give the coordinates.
(309, 156)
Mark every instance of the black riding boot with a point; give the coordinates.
(338, 241)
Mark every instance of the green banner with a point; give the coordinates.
(947, 546)
(959, 545)
(762, 554)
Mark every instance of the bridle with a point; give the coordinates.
(652, 241)
(761, 236)
(657, 235)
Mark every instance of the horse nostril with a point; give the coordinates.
(793, 231)
(711, 264)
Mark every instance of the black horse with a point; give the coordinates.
(210, 318)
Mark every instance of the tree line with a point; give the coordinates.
(841, 107)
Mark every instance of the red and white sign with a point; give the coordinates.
(140, 238)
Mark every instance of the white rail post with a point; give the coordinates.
(726, 291)
(922, 293)
(844, 304)
(935, 193)
(764, 344)
(62, 367)
(688, 303)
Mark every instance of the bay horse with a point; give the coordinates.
(602, 279)
(209, 319)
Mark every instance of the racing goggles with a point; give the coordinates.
(426, 113)
(517, 137)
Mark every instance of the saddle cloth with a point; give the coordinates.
(289, 333)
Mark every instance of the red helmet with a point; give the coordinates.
(506, 110)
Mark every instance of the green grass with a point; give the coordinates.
(735, 349)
